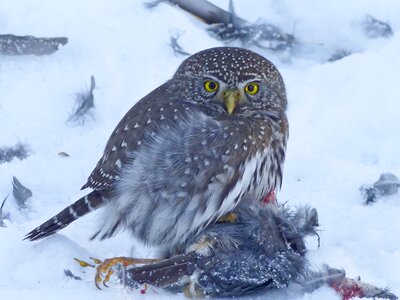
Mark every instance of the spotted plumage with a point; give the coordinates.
(191, 150)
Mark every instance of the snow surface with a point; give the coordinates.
(344, 129)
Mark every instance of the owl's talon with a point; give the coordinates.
(106, 267)
(97, 280)
(107, 277)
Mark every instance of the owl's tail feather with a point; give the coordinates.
(84, 205)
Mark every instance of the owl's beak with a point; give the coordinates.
(231, 99)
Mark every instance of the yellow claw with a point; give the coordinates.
(83, 264)
(228, 218)
(95, 260)
(107, 277)
(105, 267)
(97, 280)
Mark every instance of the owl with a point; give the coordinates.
(189, 152)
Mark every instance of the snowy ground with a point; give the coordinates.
(344, 128)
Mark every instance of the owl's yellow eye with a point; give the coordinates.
(252, 88)
(210, 86)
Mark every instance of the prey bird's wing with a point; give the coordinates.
(165, 273)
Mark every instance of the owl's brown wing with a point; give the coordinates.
(138, 122)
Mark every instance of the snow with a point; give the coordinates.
(344, 129)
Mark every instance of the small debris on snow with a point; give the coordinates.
(173, 42)
(21, 193)
(152, 4)
(7, 154)
(374, 28)
(63, 154)
(338, 55)
(69, 274)
(84, 102)
(2, 214)
(388, 184)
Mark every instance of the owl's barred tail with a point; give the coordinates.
(84, 205)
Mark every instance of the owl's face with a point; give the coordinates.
(233, 80)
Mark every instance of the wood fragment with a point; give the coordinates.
(227, 26)
(29, 45)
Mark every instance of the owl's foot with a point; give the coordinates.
(105, 269)
(228, 218)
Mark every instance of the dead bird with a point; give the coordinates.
(261, 250)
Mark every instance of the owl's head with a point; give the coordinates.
(235, 80)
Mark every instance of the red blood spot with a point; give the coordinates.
(348, 289)
(270, 198)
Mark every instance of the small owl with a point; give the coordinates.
(189, 152)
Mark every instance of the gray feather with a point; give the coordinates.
(20, 192)
(83, 103)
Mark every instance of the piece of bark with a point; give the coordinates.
(227, 26)
(25, 45)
